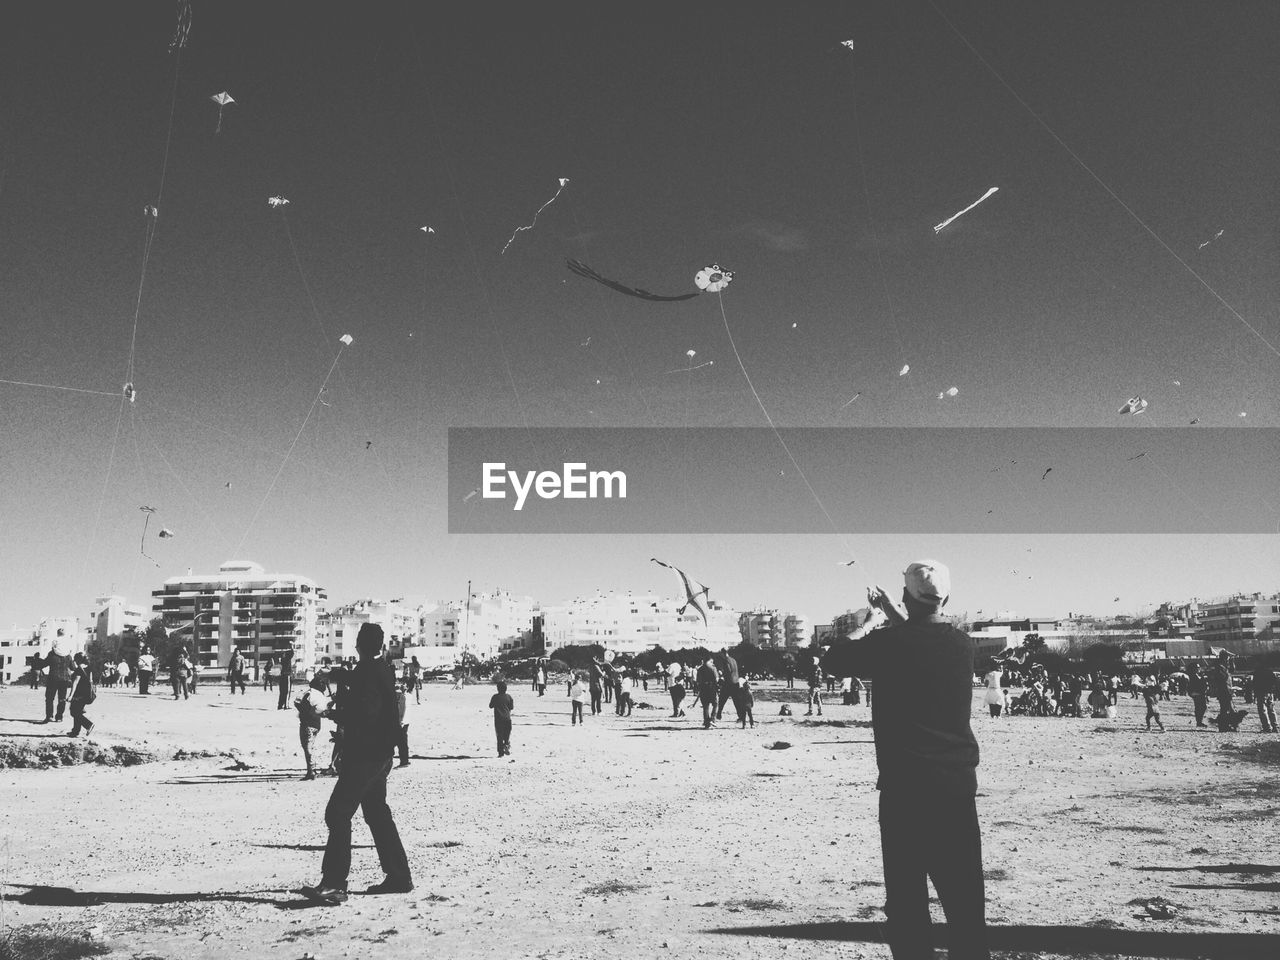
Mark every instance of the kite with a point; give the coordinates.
(1135, 406)
(693, 598)
(142, 544)
(150, 210)
(582, 270)
(793, 326)
(906, 368)
(227, 484)
(691, 354)
(276, 201)
(939, 227)
(184, 26)
(1195, 421)
(1177, 383)
(847, 43)
(949, 392)
(713, 279)
(1138, 457)
(130, 394)
(166, 533)
(1042, 476)
(851, 399)
(1243, 413)
(1210, 240)
(585, 343)
(368, 444)
(845, 563)
(427, 229)
(563, 181)
(221, 99)
(597, 382)
(345, 339)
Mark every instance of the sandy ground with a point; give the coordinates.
(633, 836)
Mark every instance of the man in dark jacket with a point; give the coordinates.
(1198, 688)
(923, 671)
(1220, 686)
(286, 678)
(370, 728)
(58, 683)
(1264, 692)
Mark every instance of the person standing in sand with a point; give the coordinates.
(927, 757)
(370, 729)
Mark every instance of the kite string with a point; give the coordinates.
(289, 452)
(187, 490)
(1102, 183)
(772, 426)
(53, 386)
(563, 181)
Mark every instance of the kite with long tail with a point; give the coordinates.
(582, 270)
(692, 598)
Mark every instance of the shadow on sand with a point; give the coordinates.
(1097, 941)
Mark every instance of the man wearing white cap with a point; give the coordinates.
(923, 673)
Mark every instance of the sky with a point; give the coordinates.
(1130, 250)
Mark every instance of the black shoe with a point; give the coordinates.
(329, 896)
(403, 763)
(88, 729)
(309, 776)
(389, 885)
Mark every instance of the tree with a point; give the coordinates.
(103, 652)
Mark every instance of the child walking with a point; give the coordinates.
(1151, 694)
(746, 703)
(578, 694)
(502, 705)
(310, 706)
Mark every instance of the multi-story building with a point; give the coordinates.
(113, 616)
(242, 605)
(632, 623)
(1243, 625)
(16, 645)
(339, 627)
(487, 625)
(763, 628)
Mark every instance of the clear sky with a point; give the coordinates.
(689, 134)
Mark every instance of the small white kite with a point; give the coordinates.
(130, 394)
(222, 99)
(427, 229)
(906, 368)
(847, 43)
(563, 181)
(939, 228)
(851, 399)
(150, 210)
(345, 339)
(713, 279)
(949, 392)
(277, 201)
(1211, 239)
(1135, 406)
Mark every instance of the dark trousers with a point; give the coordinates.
(502, 729)
(237, 678)
(363, 784)
(144, 680)
(677, 698)
(55, 689)
(929, 836)
(708, 705)
(402, 744)
(79, 720)
(1224, 712)
(1267, 712)
(727, 693)
(286, 682)
(179, 687)
(576, 716)
(1201, 704)
(596, 693)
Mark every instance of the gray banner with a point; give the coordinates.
(864, 480)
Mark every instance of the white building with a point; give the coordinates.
(488, 625)
(339, 628)
(632, 623)
(774, 628)
(16, 644)
(243, 605)
(114, 616)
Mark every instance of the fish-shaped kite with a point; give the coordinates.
(1135, 406)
